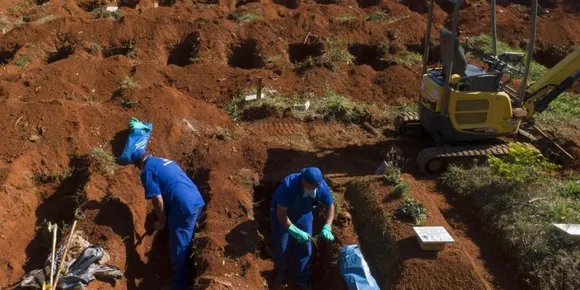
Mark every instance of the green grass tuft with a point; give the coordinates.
(129, 83)
(345, 18)
(242, 18)
(401, 189)
(408, 59)
(102, 161)
(337, 107)
(22, 60)
(376, 16)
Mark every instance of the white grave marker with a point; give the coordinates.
(112, 8)
(570, 231)
(432, 238)
(302, 107)
(252, 97)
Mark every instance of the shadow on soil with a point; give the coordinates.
(59, 208)
(494, 262)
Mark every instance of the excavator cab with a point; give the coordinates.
(466, 109)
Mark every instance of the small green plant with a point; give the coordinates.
(408, 59)
(570, 189)
(22, 60)
(377, 15)
(345, 18)
(271, 59)
(129, 83)
(339, 108)
(523, 163)
(567, 105)
(336, 52)
(244, 17)
(223, 134)
(566, 212)
(413, 210)
(91, 100)
(118, 15)
(102, 161)
(401, 189)
(392, 176)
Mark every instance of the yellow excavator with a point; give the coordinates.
(469, 111)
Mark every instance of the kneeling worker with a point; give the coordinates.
(291, 221)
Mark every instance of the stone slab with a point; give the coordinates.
(302, 107)
(432, 238)
(571, 231)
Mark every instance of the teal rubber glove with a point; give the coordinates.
(300, 235)
(136, 124)
(327, 233)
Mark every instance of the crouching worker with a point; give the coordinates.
(291, 221)
(176, 199)
(178, 203)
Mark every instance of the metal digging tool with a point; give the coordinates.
(60, 268)
(54, 229)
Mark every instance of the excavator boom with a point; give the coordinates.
(552, 84)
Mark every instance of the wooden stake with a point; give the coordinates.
(259, 93)
(54, 231)
(72, 232)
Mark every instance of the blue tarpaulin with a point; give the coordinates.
(137, 140)
(354, 269)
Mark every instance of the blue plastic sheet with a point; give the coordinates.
(137, 141)
(355, 270)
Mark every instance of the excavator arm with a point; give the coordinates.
(552, 84)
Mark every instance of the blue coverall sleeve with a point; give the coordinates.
(325, 196)
(281, 195)
(150, 184)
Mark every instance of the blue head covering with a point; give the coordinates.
(312, 175)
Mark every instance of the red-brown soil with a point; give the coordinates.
(60, 92)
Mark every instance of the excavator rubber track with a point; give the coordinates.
(434, 160)
(408, 125)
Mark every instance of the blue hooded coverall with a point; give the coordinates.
(289, 193)
(182, 203)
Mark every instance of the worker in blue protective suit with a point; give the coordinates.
(291, 221)
(177, 202)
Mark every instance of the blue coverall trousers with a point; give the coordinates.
(283, 244)
(181, 224)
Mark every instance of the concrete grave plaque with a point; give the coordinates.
(251, 97)
(570, 231)
(432, 238)
(112, 8)
(302, 107)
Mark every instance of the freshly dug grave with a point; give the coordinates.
(399, 253)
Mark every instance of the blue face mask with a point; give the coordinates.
(309, 193)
